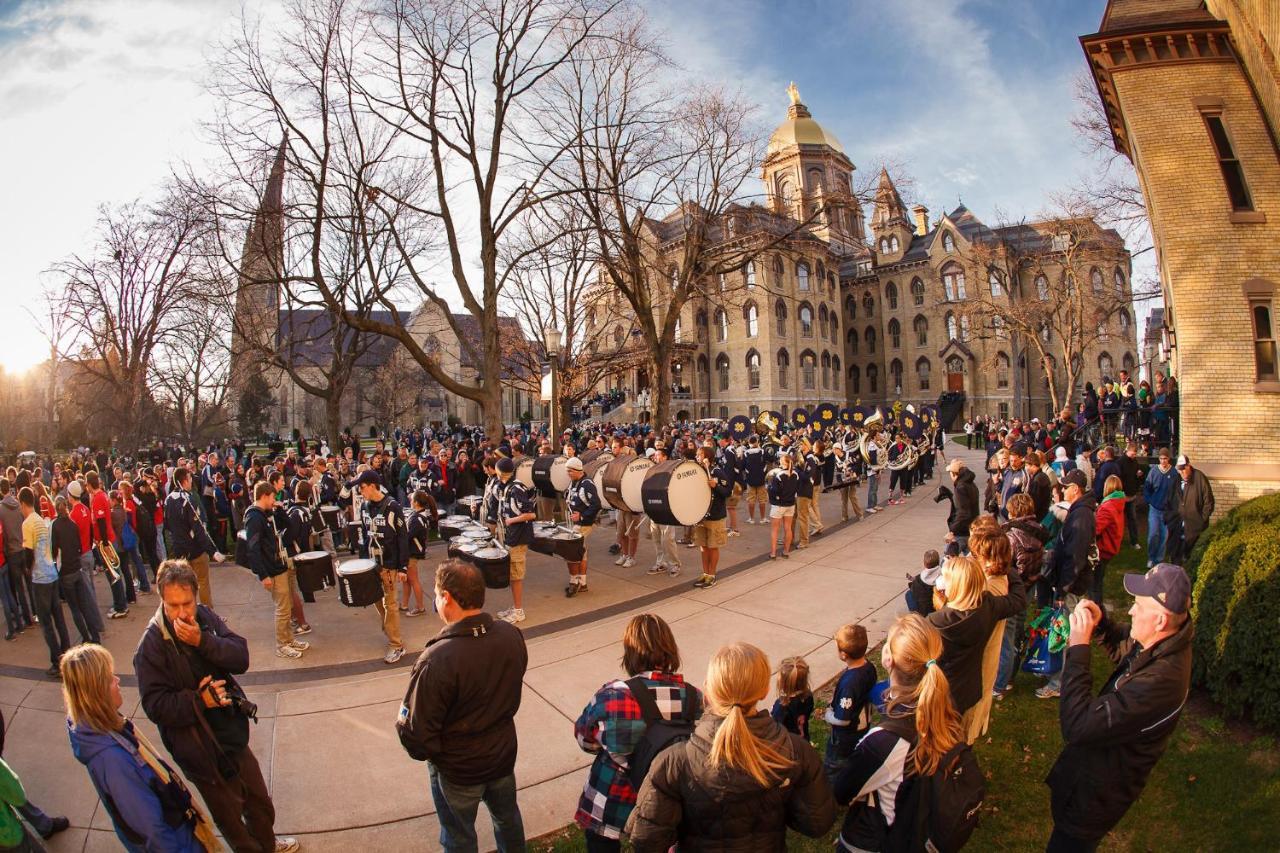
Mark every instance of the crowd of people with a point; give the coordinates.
(674, 765)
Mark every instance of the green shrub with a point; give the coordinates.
(1236, 607)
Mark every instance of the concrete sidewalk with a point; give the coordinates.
(326, 739)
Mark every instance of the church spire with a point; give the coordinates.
(889, 207)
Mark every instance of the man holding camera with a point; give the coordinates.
(186, 665)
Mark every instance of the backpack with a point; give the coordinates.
(950, 800)
(659, 732)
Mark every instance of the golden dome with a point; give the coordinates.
(800, 128)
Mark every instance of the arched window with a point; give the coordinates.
(953, 282)
(948, 242)
(1106, 365)
(917, 292)
(1264, 339)
(1095, 280)
(921, 326)
(822, 321)
(851, 307)
(922, 373)
(1119, 279)
(750, 273)
(591, 318)
(964, 327)
(1046, 333)
(870, 337)
(808, 367)
(891, 296)
(955, 364)
(894, 245)
(852, 339)
(1104, 330)
(873, 376)
(895, 334)
(895, 375)
(1124, 322)
(835, 372)
(855, 379)
(806, 320)
(784, 368)
(780, 317)
(835, 326)
(822, 273)
(884, 245)
(1127, 362)
(953, 329)
(675, 278)
(777, 270)
(1042, 288)
(617, 337)
(993, 279)
(722, 325)
(676, 331)
(1002, 370)
(868, 304)
(703, 378)
(752, 317)
(802, 277)
(722, 370)
(826, 370)
(700, 320)
(753, 369)
(998, 327)
(721, 282)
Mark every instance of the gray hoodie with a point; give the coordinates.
(11, 520)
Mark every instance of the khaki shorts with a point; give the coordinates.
(710, 533)
(757, 494)
(518, 554)
(585, 530)
(736, 495)
(629, 522)
(781, 511)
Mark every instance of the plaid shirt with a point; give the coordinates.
(611, 726)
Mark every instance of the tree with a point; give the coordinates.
(190, 372)
(253, 405)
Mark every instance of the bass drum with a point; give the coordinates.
(622, 480)
(550, 476)
(587, 456)
(524, 472)
(676, 492)
(594, 470)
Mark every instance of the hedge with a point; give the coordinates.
(1236, 607)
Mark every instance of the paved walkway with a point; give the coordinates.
(325, 736)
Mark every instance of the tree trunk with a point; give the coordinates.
(660, 365)
(333, 421)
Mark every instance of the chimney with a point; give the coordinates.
(921, 214)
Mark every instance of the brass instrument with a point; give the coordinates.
(767, 425)
(905, 459)
(110, 559)
(868, 432)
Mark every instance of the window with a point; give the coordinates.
(753, 412)
(826, 370)
(1232, 171)
(895, 334)
(955, 364)
(675, 278)
(1124, 322)
(1042, 288)
(722, 325)
(895, 375)
(676, 335)
(1105, 365)
(802, 277)
(835, 372)
(894, 245)
(998, 327)
(784, 368)
(752, 316)
(851, 307)
(852, 339)
(921, 326)
(822, 321)
(953, 330)
(806, 320)
(948, 242)
(835, 326)
(1127, 362)
(750, 274)
(1104, 331)
(884, 245)
(1095, 280)
(721, 283)
(953, 282)
(703, 378)
(722, 370)
(870, 337)
(1002, 411)
(808, 366)
(1119, 278)
(891, 296)
(753, 369)
(1264, 341)
(591, 318)
(872, 376)
(994, 281)
(964, 327)
(700, 319)
(923, 369)
(855, 380)
(1002, 371)
(1046, 334)
(780, 317)
(724, 413)
(917, 292)
(617, 337)
(868, 304)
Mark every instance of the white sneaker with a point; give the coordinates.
(287, 652)
(287, 844)
(513, 616)
(631, 561)
(503, 614)
(622, 558)
(673, 571)
(733, 533)
(656, 569)
(300, 645)
(393, 656)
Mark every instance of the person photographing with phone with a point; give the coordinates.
(186, 664)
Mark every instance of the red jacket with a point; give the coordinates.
(1110, 525)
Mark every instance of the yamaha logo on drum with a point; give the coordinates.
(689, 473)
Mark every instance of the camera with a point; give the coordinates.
(242, 705)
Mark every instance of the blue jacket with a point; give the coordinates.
(1158, 488)
(123, 778)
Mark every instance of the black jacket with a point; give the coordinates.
(385, 520)
(783, 488)
(459, 710)
(1194, 500)
(966, 503)
(187, 534)
(1112, 740)
(684, 799)
(263, 544)
(1040, 489)
(964, 637)
(64, 540)
(169, 689)
(1070, 570)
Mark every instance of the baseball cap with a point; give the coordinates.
(506, 466)
(1182, 462)
(1018, 449)
(573, 464)
(1077, 477)
(1166, 583)
(75, 489)
(367, 477)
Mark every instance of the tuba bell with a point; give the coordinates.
(110, 559)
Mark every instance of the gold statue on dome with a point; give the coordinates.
(794, 93)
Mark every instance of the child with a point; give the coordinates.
(920, 587)
(849, 715)
(794, 705)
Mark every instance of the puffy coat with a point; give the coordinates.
(1027, 536)
(966, 503)
(703, 808)
(1109, 525)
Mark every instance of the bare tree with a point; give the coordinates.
(190, 372)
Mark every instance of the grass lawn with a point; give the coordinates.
(1216, 788)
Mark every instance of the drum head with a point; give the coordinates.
(312, 555)
(677, 492)
(328, 508)
(470, 547)
(524, 473)
(357, 567)
(491, 553)
(565, 535)
(475, 533)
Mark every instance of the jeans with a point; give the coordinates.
(1131, 519)
(1157, 535)
(161, 553)
(873, 487)
(1095, 585)
(49, 609)
(19, 586)
(134, 557)
(1014, 627)
(11, 619)
(456, 807)
(94, 616)
(122, 588)
(75, 593)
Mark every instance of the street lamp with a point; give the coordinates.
(553, 352)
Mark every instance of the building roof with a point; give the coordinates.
(1123, 15)
(310, 332)
(800, 129)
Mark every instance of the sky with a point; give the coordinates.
(101, 99)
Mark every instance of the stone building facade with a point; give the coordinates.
(1192, 92)
(832, 312)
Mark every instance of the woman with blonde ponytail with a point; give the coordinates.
(741, 781)
(919, 727)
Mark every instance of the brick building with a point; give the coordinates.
(1192, 93)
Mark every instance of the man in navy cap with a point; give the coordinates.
(1114, 739)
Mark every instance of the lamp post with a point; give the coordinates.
(553, 354)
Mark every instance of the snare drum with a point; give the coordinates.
(359, 583)
(550, 475)
(317, 521)
(623, 478)
(332, 517)
(315, 571)
(494, 564)
(677, 492)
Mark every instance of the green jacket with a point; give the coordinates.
(11, 796)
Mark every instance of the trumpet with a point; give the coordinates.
(110, 559)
